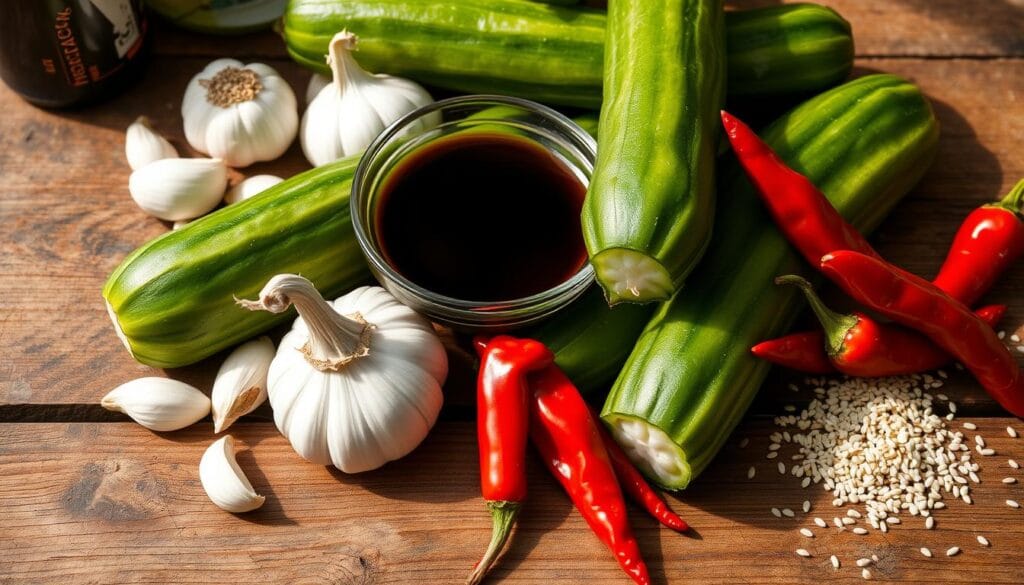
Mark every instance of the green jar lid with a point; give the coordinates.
(220, 16)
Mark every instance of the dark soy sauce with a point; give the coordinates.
(482, 217)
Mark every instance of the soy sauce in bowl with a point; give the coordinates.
(482, 216)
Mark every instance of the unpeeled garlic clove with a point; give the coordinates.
(223, 479)
(241, 383)
(179, 188)
(142, 145)
(249, 187)
(159, 404)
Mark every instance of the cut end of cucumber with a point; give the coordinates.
(117, 328)
(628, 276)
(651, 450)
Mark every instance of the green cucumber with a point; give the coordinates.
(555, 54)
(691, 376)
(648, 213)
(172, 300)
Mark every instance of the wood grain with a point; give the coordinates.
(882, 28)
(67, 219)
(114, 503)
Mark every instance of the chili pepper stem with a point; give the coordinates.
(1014, 200)
(836, 325)
(503, 515)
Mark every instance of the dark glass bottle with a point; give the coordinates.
(59, 53)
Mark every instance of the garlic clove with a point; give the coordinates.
(241, 382)
(249, 187)
(224, 481)
(142, 145)
(179, 188)
(159, 404)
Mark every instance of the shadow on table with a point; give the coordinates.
(271, 513)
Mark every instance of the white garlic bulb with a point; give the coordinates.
(179, 188)
(241, 382)
(356, 106)
(142, 145)
(249, 187)
(159, 404)
(224, 482)
(239, 113)
(316, 83)
(356, 382)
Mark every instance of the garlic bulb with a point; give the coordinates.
(241, 382)
(142, 145)
(179, 188)
(223, 479)
(159, 404)
(351, 111)
(356, 382)
(316, 83)
(252, 186)
(240, 113)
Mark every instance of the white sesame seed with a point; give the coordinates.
(1012, 503)
(807, 506)
(1012, 432)
(788, 513)
(776, 512)
(853, 514)
(837, 522)
(952, 407)
(942, 397)
(806, 482)
(953, 551)
(859, 530)
(874, 558)
(744, 442)
(794, 387)
(974, 477)
(782, 468)
(774, 447)
(863, 562)
(943, 374)
(1020, 348)
(807, 532)
(772, 455)
(789, 408)
(835, 561)
(751, 472)
(1001, 335)
(983, 541)
(1015, 338)
(865, 574)
(821, 523)
(926, 552)
(1009, 480)
(929, 522)
(1013, 463)
(987, 451)
(883, 527)
(803, 552)
(848, 521)
(970, 426)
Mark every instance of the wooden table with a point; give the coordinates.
(86, 497)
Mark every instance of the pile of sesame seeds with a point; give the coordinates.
(881, 446)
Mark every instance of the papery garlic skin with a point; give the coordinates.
(179, 188)
(241, 382)
(357, 382)
(250, 187)
(159, 404)
(224, 481)
(241, 127)
(350, 112)
(142, 145)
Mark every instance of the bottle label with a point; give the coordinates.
(124, 35)
(122, 18)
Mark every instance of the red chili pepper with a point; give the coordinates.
(634, 484)
(503, 415)
(989, 240)
(803, 351)
(858, 345)
(915, 302)
(804, 215)
(569, 441)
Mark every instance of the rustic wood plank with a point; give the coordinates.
(114, 503)
(68, 221)
(882, 28)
